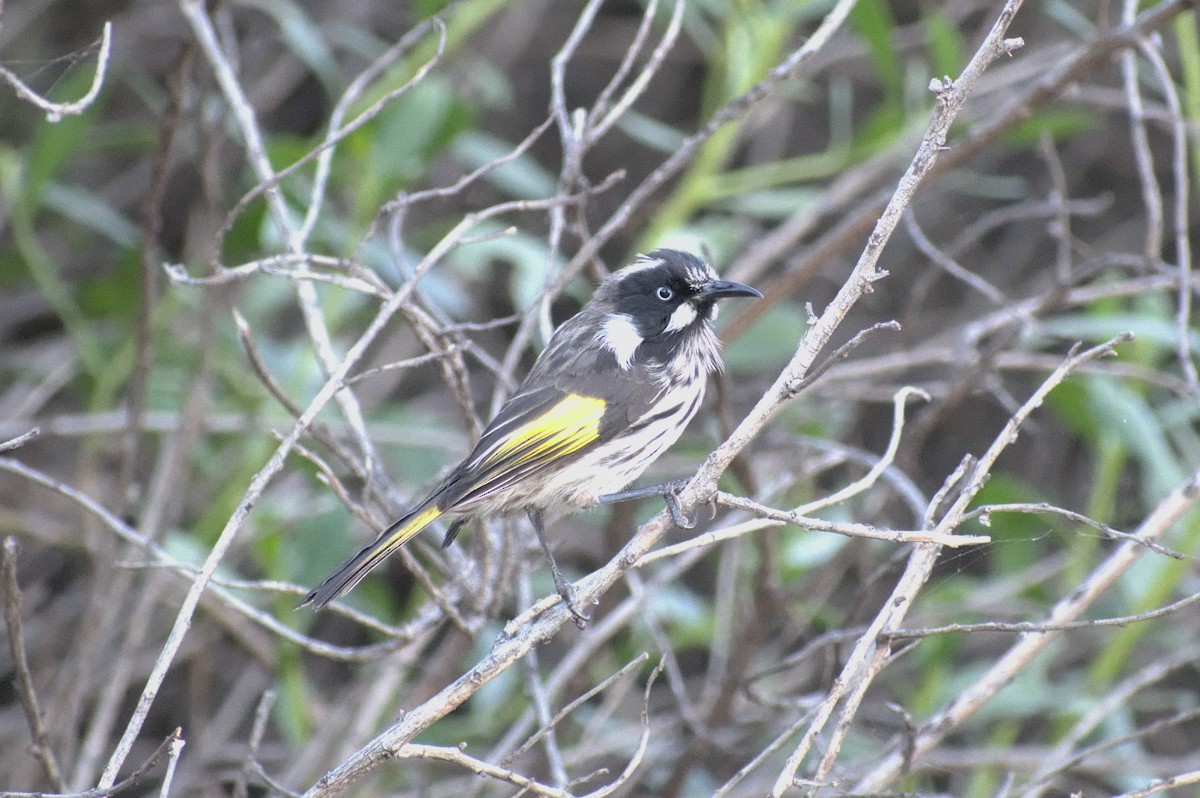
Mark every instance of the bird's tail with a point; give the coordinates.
(354, 569)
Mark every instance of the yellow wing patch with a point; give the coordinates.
(567, 427)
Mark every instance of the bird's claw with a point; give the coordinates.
(671, 497)
(568, 594)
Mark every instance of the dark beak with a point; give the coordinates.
(719, 289)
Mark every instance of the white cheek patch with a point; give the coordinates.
(684, 315)
(620, 336)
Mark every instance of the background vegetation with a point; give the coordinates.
(266, 283)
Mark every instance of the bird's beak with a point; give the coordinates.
(718, 289)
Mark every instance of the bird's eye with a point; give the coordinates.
(664, 293)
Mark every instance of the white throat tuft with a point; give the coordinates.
(684, 315)
(619, 335)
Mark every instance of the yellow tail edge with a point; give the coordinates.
(351, 572)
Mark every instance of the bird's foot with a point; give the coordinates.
(570, 598)
(669, 491)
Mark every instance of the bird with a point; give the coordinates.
(613, 389)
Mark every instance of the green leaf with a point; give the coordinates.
(947, 51)
(54, 144)
(1060, 123)
(872, 20)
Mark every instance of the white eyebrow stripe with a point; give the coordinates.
(640, 264)
(684, 315)
(619, 335)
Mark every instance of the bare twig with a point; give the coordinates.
(738, 108)
(20, 440)
(1034, 628)
(1183, 244)
(643, 741)
(536, 688)
(168, 748)
(597, 127)
(1151, 194)
(278, 266)
(840, 354)
(574, 704)
(949, 264)
(251, 766)
(1059, 200)
(56, 111)
(243, 114)
(174, 749)
(1162, 785)
(855, 673)
(456, 756)
(966, 703)
(983, 512)
(24, 679)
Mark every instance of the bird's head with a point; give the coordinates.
(662, 300)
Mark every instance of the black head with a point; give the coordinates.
(668, 292)
(659, 302)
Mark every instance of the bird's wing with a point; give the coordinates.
(588, 401)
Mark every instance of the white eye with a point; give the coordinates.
(664, 293)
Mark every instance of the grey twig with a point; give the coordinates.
(56, 111)
(25, 690)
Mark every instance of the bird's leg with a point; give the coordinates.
(565, 589)
(669, 491)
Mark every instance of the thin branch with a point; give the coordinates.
(1039, 628)
(20, 440)
(174, 749)
(1059, 200)
(983, 512)
(1147, 180)
(56, 111)
(275, 265)
(1162, 785)
(839, 355)
(966, 703)
(571, 706)
(1183, 244)
(167, 748)
(968, 479)
(899, 402)
(643, 741)
(596, 128)
(949, 264)
(200, 22)
(24, 679)
(535, 687)
(456, 756)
